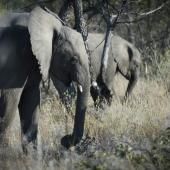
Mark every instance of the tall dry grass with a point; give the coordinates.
(144, 115)
(135, 123)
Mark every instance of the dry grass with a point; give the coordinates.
(110, 133)
(143, 116)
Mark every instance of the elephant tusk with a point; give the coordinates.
(94, 84)
(80, 88)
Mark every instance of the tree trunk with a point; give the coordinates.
(106, 52)
(79, 19)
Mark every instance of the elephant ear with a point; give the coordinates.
(122, 56)
(41, 27)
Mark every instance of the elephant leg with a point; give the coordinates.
(29, 112)
(132, 82)
(9, 100)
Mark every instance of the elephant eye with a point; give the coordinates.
(73, 60)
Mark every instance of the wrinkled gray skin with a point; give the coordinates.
(123, 58)
(61, 55)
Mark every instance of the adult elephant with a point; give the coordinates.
(123, 58)
(13, 19)
(41, 49)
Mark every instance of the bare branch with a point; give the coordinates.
(139, 17)
(152, 11)
(142, 16)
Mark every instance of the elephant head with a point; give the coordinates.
(61, 55)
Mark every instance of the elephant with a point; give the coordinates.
(123, 58)
(13, 19)
(36, 50)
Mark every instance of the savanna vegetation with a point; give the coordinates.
(130, 135)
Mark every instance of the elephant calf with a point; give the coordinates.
(123, 58)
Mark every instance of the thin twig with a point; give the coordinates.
(153, 11)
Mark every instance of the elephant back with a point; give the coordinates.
(13, 19)
(96, 43)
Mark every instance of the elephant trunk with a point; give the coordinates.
(81, 76)
(133, 78)
(82, 98)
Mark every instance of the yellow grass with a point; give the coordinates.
(143, 116)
